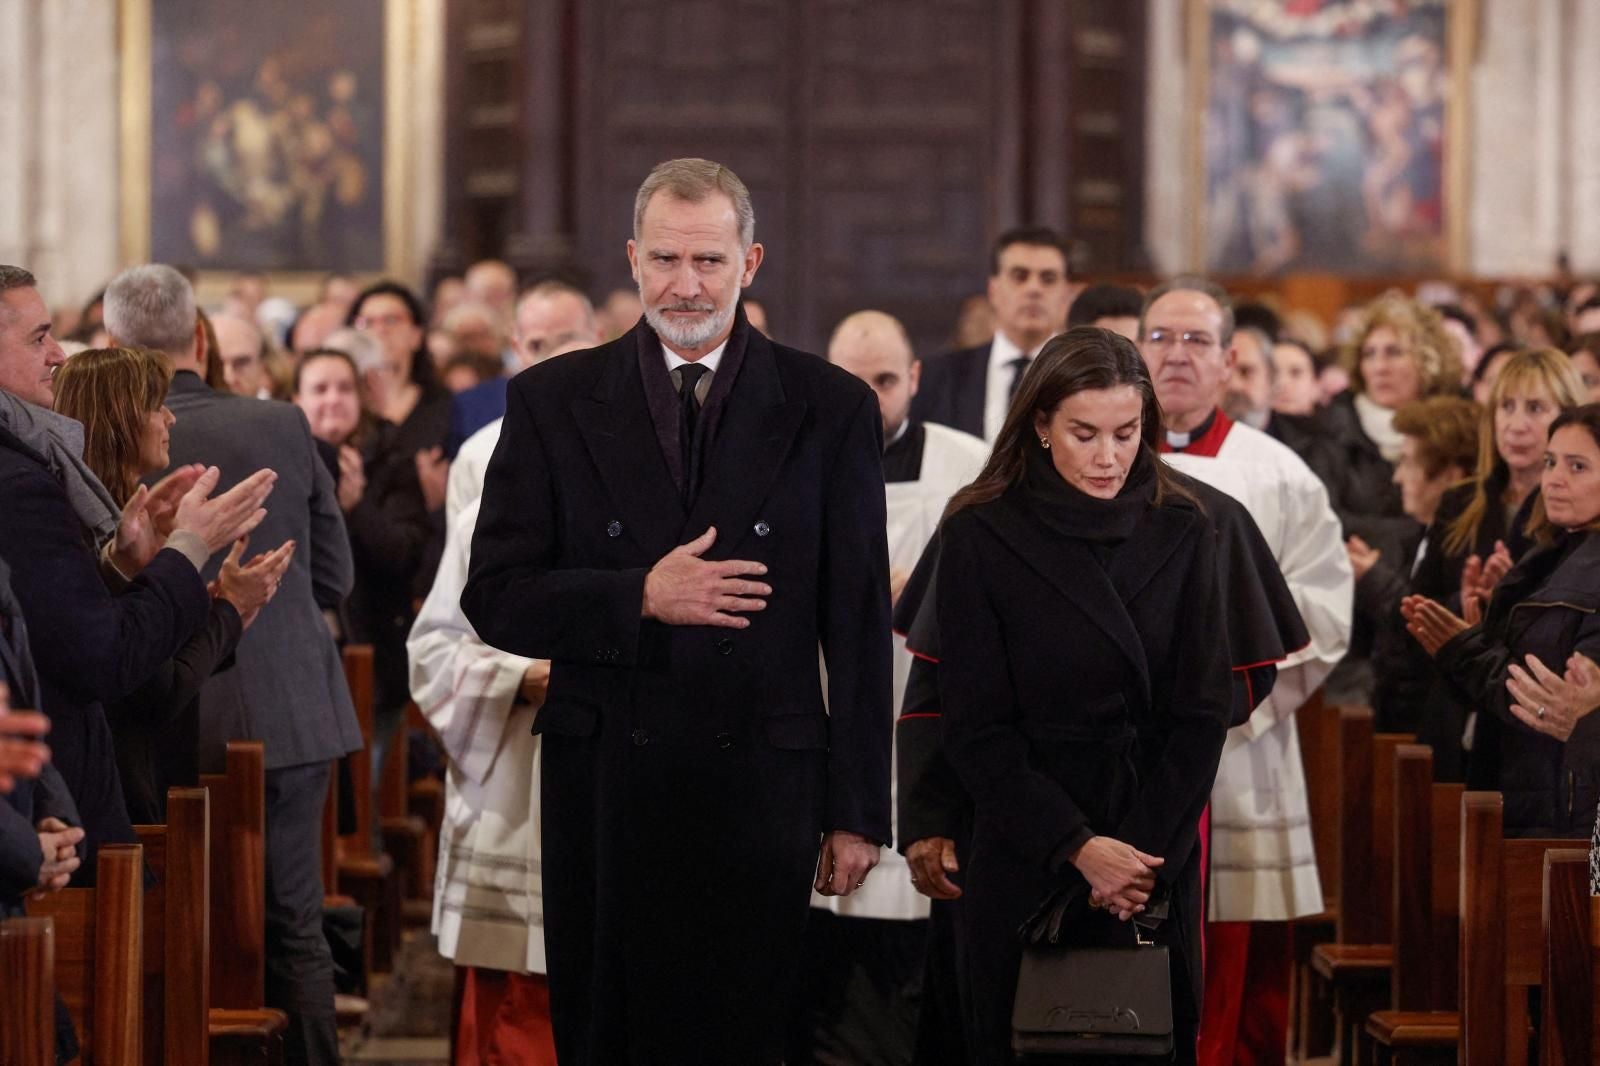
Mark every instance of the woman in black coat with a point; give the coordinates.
(119, 395)
(1085, 684)
(1546, 609)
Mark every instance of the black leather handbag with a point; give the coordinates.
(1107, 993)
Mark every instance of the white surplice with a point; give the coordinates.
(487, 898)
(1263, 867)
(950, 461)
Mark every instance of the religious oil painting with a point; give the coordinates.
(1325, 136)
(267, 127)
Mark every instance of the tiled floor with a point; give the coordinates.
(408, 1023)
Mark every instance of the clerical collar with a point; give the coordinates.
(1180, 441)
(902, 456)
(709, 360)
(899, 434)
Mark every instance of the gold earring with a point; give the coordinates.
(1044, 442)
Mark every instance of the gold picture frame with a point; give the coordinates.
(402, 254)
(1461, 39)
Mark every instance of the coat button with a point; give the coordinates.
(640, 738)
(725, 646)
(762, 529)
(613, 528)
(724, 741)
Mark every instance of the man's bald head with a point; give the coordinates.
(554, 316)
(874, 347)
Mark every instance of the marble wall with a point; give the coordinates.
(59, 140)
(1534, 140)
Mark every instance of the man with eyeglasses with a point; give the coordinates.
(1263, 871)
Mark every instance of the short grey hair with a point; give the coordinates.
(693, 180)
(151, 306)
(1193, 283)
(14, 277)
(1263, 342)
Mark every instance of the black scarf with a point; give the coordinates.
(1070, 511)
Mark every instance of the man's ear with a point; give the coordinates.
(914, 375)
(202, 354)
(752, 262)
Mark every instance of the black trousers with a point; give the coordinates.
(299, 964)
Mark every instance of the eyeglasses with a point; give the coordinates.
(382, 321)
(1192, 340)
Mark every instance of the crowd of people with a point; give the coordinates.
(1071, 581)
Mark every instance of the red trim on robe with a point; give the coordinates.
(1208, 445)
(920, 655)
(920, 714)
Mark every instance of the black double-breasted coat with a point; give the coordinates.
(688, 772)
(1080, 697)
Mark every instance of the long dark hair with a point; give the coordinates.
(1081, 359)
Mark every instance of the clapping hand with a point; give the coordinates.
(1431, 622)
(1363, 556)
(221, 521)
(147, 519)
(251, 587)
(1552, 704)
(433, 474)
(1480, 576)
(22, 749)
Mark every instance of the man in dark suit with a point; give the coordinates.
(288, 686)
(678, 520)
(970, 389)
(549, 316)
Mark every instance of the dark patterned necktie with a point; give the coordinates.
(689, 375)
(1019, 367)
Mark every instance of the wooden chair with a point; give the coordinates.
(1565, 1029)
(367, 876)
(241, 1026)
(28, 1003)
(1311, 1016)
(1356, 966)
(98, 956)
(1426, 922)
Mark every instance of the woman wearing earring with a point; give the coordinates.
(119, 394)
(1084, 680)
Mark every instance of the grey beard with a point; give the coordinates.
(692, 336)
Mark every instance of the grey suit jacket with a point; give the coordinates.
(288, 687)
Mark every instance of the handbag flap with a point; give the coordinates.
(1093, 991)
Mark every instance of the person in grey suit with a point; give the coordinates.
(288, 688)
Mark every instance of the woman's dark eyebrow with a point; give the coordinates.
(1090, 426)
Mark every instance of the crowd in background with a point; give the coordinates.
(1456, 439)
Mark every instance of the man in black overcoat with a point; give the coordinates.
(679, 520)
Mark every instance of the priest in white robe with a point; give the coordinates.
(864, 952)
(488, 914)
(1263, 870)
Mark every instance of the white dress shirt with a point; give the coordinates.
(997, 387)
(710, 361)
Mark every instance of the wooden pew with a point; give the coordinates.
(27, 1005)
(1427, 832)
(1356, 966)
(177, 932)
(241, 1026)
(98, 955)
(1567, 1002)
(1311, 1016)
(405, 836)
(366, 875)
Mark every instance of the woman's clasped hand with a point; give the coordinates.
(1121, 877)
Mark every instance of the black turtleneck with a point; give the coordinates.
(1071, 512)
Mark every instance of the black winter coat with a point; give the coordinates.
(1079, 699)
(689, 771)
(1548, 606)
